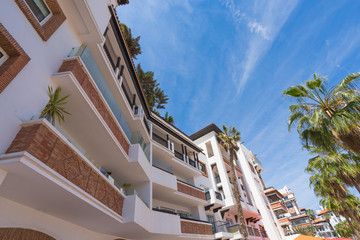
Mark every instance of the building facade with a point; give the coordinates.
(112, 169)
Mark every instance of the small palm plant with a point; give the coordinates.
(53, 108)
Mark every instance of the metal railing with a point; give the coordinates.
(192, 162)
(179, 155)
(218, 196)
(160, 140)
(217, 179)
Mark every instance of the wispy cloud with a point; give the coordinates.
(264, 21)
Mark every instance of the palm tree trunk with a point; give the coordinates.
(357, 187)
(237, 197)
(352, 227)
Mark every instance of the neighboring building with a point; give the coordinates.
(324, 228)
(112, 169)
(286, 209)
(258, 217)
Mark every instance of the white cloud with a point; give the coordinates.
(263, 19)
(258, 28)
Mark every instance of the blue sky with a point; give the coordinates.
(227, 62)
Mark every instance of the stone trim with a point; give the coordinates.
(51, 25)
(190, 191)
(16, 61)
(191, 227)
(42, 143)
(78, 70)
(21, 233)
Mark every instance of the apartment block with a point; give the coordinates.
(325, 228)
(223, 214)
(112, 169)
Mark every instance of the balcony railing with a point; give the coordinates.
(207, 195)
(218, 196)
(49, 146)
(160, 140)
(217, 179)
(179, 155)
(191, 190)
(192, 162)
(90, 64)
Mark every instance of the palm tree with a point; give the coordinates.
(337, 207)
(311, 214)
(154, 95)
(307, 230)
(327, 118)
(132, 43)
(53, 108)
(345, 229)
(327, 217)
(229, 138)
(169, 119)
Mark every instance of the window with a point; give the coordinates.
(45, 16)
(39, 9)
(14, 56)
(209, 149)
(289, 205)
(3, 56)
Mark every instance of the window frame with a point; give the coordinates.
(42, 22)
(5, 56)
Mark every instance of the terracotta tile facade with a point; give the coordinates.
(16, 61)
(51, 25)
(191, 227)
(75, 66)
(21, 234)
(41, 142)
(182, 187)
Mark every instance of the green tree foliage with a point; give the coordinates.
(344, 229)
(308, 230)
(327, 117)
(155, 96)
(229, 138)
(311, 214)
(132, 43)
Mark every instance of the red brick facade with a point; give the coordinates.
(191, 227)
(51, 25)
(81, 75)
(41, 142)
(182, 187)
(16, 61)
(22, 234)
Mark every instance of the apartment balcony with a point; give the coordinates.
(192, 226)
(181, 165)
(165, 222)
(46, 172)
(94, 112)
(214, 198)
(176, 191)
(278, 207)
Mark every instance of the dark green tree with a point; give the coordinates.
(132, 43)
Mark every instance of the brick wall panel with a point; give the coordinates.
(22, 234)
(41, 142)
(196, 228)
(190, 191)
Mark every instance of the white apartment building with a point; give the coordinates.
(324, 228)
(112, 169)
(257, 213)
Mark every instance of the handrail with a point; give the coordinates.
(164, 211)
(193, 219)
(190, 185)
(163, 169)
